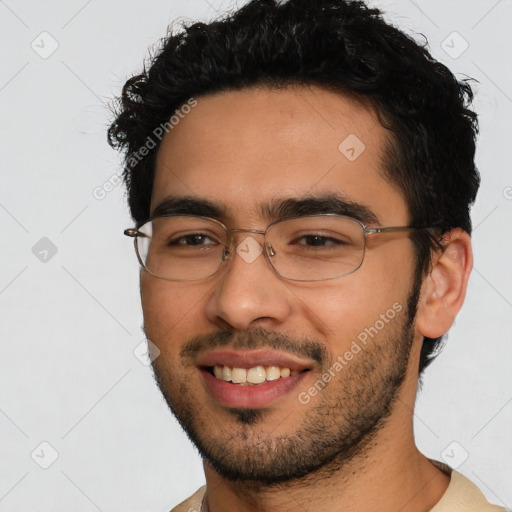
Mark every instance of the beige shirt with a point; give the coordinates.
(460, 496)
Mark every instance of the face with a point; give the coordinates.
(346, 341)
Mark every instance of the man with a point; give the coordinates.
(300, 175)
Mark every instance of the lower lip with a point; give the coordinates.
(250, 397)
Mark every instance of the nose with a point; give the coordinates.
(248, 291)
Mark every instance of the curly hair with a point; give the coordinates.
(341, 45)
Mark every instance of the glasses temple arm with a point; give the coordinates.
(393, 229)
(133, 232)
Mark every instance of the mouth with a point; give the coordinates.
(251, 376)
(251, 379)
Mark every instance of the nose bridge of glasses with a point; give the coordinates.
(234, 241)
(245, 230)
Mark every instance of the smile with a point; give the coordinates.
(251, 376)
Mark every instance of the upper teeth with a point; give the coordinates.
(255, 375)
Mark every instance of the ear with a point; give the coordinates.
(444, 289)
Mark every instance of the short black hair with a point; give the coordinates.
(340, 45)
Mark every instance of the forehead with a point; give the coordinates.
(244, 148)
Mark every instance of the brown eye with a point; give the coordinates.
(194, 239)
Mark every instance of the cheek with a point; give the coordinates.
(171, 312)
(372, 296)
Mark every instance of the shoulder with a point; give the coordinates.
(464, 496)
(191, 504)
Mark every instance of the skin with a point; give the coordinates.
(241, 149)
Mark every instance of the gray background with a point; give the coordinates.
(70, 320)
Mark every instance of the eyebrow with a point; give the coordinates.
(277, 208)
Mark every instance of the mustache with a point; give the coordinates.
(256, 339)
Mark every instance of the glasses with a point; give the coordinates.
(305, 248)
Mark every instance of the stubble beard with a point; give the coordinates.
(337, 427)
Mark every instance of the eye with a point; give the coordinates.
(320, 241)
(193, 239)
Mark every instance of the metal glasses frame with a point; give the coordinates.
(229, 246)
